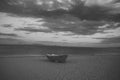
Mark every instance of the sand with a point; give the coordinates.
(77, 67)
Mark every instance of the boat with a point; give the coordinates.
(61, 58)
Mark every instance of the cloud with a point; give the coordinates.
(98, 2)
(7, 25)
(8, 34)
(111, 40)
(69, 29)
(110, 6)
(77, 27)
(114, 8)
(30, 29)
(108, 26)
(84, 9)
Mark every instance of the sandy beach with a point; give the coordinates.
(77, 67)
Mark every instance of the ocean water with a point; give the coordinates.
(42, 50)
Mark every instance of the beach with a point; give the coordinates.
(25, 62)
(101, 67)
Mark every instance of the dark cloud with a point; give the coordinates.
(111, 40)
(68, 23)
(29, 29)
(110, 25)
(76, 27)
(8, 34)
(75, 8)
(7, 25)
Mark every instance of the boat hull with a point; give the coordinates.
(57, 58)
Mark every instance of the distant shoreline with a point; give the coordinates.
(40, 50)
(23, 56)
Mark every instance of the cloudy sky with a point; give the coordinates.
(94, 24)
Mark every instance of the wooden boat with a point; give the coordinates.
(57, 57)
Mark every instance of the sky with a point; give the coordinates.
(72, 27)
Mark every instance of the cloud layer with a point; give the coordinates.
(83, 9)
(65, 29)
(78, 22)
(8, 34)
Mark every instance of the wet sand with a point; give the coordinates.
(77, 67)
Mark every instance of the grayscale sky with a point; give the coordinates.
(81, 23)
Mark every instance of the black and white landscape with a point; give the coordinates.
(88, 31)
